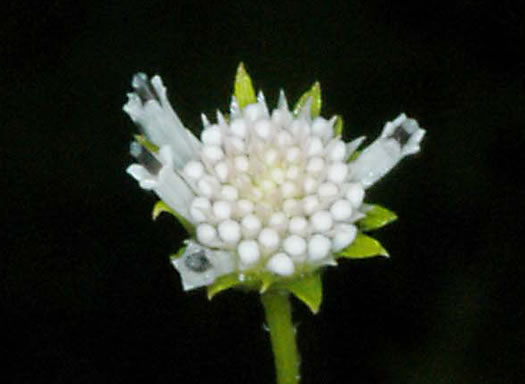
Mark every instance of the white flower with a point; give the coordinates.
(265, 190)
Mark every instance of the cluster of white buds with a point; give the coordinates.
(267, 191)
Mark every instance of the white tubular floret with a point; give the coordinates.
(399, 138)
(149, 107)
(165, 182)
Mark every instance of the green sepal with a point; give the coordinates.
(222, 284)
(141, 139)
(315, 94)
(363, 247)
(243, 88)
(308, 289)
(161, 207)
(376, 217)
(248, 281)
(338, 127)
(354, 156)
(178, 254)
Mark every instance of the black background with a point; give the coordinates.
(88, 294)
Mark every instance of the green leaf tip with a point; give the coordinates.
(363, 247)
(178, 254)
(314, 93)
(161, 207)
(338, 127)
(249, 281)
(222, 284)
(308, 289)
(376, 217)
(243, 88)
(354, 156)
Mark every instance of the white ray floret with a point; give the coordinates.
(264, 190)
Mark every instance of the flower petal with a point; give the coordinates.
(399, 138)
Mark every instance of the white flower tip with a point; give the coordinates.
(221, 121)
(260, 98)
(269, 239)
(264, 129)
(250, 226)
(238, 128)
(206, 234)
(194, 170)
(249, 252)
(229, 192)
(230, 231)
(205, 121)
(341, 210)
(211, 135)
(337, 151)
(337, 172)
(319, 247)
(355, 193)
(343, 237)
(294, 245)
(278, 221)
(235, 110)
(212, 153)
(200, 209)
(282, 103)
(327, 191)
(222, 210)
(141, 174)
(281, 264)
(321, 221)
(298, 225)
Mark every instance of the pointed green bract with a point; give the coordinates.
(222, 284)
(376, 217)
(178, 254)
(308, 289)
(161, 207)
(141, 139)
(315, 94)
(338, 127)
(243, 88)
(354, 156)
(249, 281)
(362, 247)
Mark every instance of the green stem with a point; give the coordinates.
(282, 333)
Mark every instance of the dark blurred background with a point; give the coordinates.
(87, 291)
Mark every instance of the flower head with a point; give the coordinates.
(269, 193)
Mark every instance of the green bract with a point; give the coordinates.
(243, 88)
(362, 247)
(376, 217)
(161, 207)
(314, 95)
(338, 127)
(307, 287)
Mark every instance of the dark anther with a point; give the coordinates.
(401, 135)
(197, 261)
(143, 88)
(144, 157)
